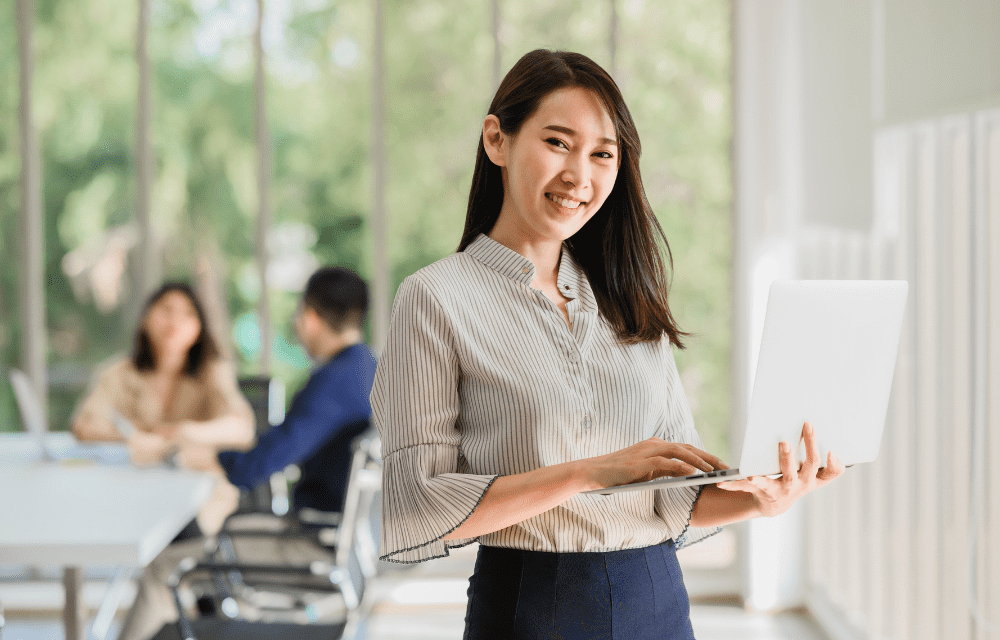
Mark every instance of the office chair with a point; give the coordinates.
(266, 396)
(318, 600)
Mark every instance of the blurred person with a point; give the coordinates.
(175, 401)
(331, 409)
(538, 363)
(179, 395)
(325, 416)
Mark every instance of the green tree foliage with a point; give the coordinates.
(672, 64)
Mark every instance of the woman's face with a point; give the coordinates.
(560, 167)
(172, 324)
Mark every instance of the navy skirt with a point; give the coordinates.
(631, 594)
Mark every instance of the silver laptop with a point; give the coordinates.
(827, 356)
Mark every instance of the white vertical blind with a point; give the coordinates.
(890, 546)
(956, 392)
(988, 177)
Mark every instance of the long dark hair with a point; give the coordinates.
(201, 352)
(618, 248)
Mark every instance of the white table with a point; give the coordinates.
(77, 513)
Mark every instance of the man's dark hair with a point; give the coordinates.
(338, 296)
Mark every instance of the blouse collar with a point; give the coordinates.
(571, 280)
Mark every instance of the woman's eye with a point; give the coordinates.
(556, 142)
(604, 154)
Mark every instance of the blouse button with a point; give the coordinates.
(525, 270)
(573, 357)
(587, 422)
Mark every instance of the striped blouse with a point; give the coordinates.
(481, 377)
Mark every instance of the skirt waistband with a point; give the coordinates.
(629, 593)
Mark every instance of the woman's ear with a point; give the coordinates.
(495, 141)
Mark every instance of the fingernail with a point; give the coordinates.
(784, 446)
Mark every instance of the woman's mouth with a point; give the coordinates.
(564, 202)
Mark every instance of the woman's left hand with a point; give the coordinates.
(197, 457)
(776, 495)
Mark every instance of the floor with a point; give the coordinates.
(426, 602)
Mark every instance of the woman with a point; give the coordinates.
(537, 363)
(180, 396)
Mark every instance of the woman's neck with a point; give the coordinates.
(169, 364)
(543, 253)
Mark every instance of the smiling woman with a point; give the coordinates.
(537, 363)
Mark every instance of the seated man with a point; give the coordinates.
(331, 409)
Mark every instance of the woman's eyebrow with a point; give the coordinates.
(570, 132)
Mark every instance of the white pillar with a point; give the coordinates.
(497, 57)
(613, 39)
(263, 190)
(380, 253)
(144, 267)
(34, 334)
(767, 206)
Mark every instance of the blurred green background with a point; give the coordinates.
(673, 66)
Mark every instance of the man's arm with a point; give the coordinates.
(324, 406)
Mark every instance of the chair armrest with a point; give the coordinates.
(310, 516)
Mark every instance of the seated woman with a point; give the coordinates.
(184, 406)
(181, 397)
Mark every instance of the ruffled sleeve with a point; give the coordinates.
(415, 406)
(675, 506)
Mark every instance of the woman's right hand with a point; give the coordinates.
(647, 460)
(147, 448)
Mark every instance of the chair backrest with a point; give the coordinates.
(266, 396)
(30, 408)
(363, 486)
(28, 403)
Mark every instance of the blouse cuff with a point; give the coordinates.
(677, 507)
(422, 502)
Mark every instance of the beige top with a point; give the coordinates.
(481, 377)
(213, 394)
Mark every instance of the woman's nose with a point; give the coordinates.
(576, 171)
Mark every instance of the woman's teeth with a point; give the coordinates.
(563, 202)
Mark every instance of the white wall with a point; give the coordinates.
(940, 57)
(818, 82)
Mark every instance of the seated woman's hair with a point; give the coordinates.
(204, 349)
(339, 296)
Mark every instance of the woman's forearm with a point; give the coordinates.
(716, 507)
(231, 432)
(511, 499)
(86, 427)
